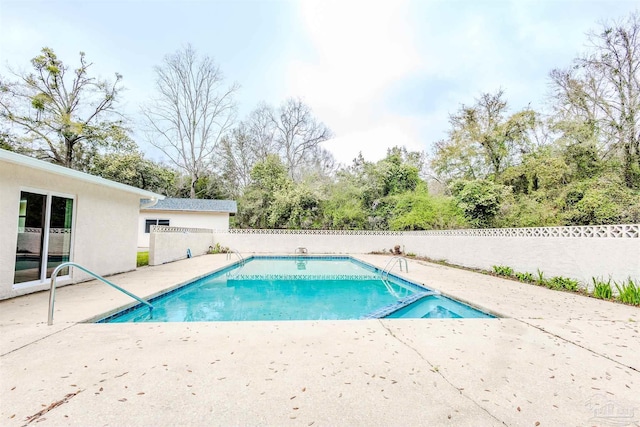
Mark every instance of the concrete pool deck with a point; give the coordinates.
(555, 358)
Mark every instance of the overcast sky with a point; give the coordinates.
(378, 73)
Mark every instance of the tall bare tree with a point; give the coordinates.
(602, 91)
(298, 135)
(261, 130)
(63, 115)
(291, 132)
(191, 112)
(238, 154)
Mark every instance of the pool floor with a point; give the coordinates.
(291, 288)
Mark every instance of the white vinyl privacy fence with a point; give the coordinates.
(577, 252)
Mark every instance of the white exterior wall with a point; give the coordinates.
(172, 243)
(335, 243)
(184, 219)
(580, 258)
(104, 224)
(574, 252)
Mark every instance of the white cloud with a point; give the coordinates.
(360, 50)
(373, 141)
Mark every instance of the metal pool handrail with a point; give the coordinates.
(396, 259)
(233, 251)
(390, 288)
(52, 290)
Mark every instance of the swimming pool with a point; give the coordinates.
(295, 288)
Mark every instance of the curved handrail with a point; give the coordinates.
(242, 262)
(390, 288)
(233, 251)
(398, 259)
(52, 290)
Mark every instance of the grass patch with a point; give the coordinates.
(142, 259)
(503, 270)
(629, 292)
(525, 277)
(602, 289)
(541, 279)
(559, 282)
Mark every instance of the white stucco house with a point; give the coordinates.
(51, 214)
(191, 213)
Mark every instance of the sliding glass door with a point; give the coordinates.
(44, 236)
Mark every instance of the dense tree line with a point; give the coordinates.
(577, 162)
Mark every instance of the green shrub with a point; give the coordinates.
(419, 210)
(217, 249)
(525, 277)
(602, 289)
(554, 283)
(479, 199)
(629, 292)
(503, 270)
(603, 200)
(559, 282)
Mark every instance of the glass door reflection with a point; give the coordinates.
(59, 247)
(31, 221)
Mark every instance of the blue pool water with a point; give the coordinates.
(293, 288)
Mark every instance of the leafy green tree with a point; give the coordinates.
(208, 186)
(584, 161)
(396, 173)
(268, 177)
(483, 140)
(390, 176)
(479, 200)
(343, 209)
(528, 210)
(5, 141)
(295, 206)
(66, 116)
(602, 200)
(418, 210)
(542, 169)
(133, 169)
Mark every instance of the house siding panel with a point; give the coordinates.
(105, 224)
(210, 220)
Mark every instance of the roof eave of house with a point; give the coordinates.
(30, 162)
(156, 209)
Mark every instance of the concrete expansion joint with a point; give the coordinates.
(541, 329)
(435, 369)
(38, 340)
(37, 416)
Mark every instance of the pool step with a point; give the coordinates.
(387, 310)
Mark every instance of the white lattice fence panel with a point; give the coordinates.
(613, 231)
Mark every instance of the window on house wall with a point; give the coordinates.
(149, 222)
(44, 236)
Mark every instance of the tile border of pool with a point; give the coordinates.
(104, 318)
